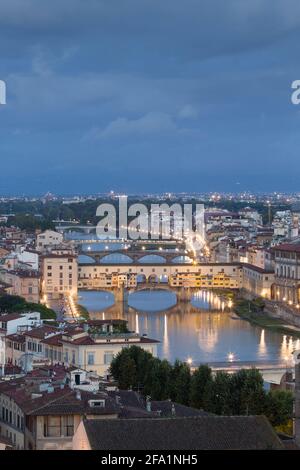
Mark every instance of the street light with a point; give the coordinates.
(230, 357)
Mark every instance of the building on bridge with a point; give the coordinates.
(206, 281)
(187, 275)
(107, 281)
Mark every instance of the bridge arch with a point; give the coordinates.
(153, 279)
(152, 259)
(86, 259)
(115, 257)
(141, 278)
(182, 259)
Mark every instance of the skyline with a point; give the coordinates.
(150, 97)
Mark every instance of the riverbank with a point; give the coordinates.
(83, 312)
(253, 312)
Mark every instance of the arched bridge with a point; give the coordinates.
(136, 256)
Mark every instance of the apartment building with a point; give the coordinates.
(48, 239)
(95, 351)
(40, 412)
(258, 281)
(59, 273)
(287, 273)
(24, 283)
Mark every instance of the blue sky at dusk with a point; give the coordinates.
(149, 95)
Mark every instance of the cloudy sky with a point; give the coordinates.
(149, 95)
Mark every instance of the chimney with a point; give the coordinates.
(78, 395)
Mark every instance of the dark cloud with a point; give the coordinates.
(98, 89)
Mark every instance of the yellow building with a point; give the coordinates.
(59, 275)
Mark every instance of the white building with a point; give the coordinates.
(49, 238)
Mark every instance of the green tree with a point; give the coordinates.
(279, 407)
(180, 383)
(127, 372)
(252, 398)
(15, 303)
(199, 383)
(157, 380)
(217, 394)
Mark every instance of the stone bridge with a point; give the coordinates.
(137, 255)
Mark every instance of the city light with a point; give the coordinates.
(189, 361)
(230, 357)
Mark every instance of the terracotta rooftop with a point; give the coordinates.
(291, 247)
(41, 331)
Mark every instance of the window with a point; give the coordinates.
(52, 426)
(91, 359)
(68, 425)
(108, 357)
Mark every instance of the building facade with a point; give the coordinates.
(286, 287)
(59, 275)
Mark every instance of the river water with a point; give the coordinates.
(205, 330)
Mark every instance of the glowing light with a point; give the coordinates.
(189, 361)
(230, 357)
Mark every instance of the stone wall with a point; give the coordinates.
(283, 312)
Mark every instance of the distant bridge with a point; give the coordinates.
(137, 255)
(271, 371)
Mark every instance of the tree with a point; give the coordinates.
(253, 396)
(126, 374)
(279, 407)
(15, 303)
(199, 382)
(180, 383)
(141, 360)
(217, 394)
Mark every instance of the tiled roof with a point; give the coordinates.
(198, 433)
(41, 331)
(9, 317)
(62, 401)
(16, 338)
(291, 247)
(54, 340)
(257, 269)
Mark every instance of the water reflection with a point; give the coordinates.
(205, 329)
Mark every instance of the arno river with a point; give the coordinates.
(205, 329)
